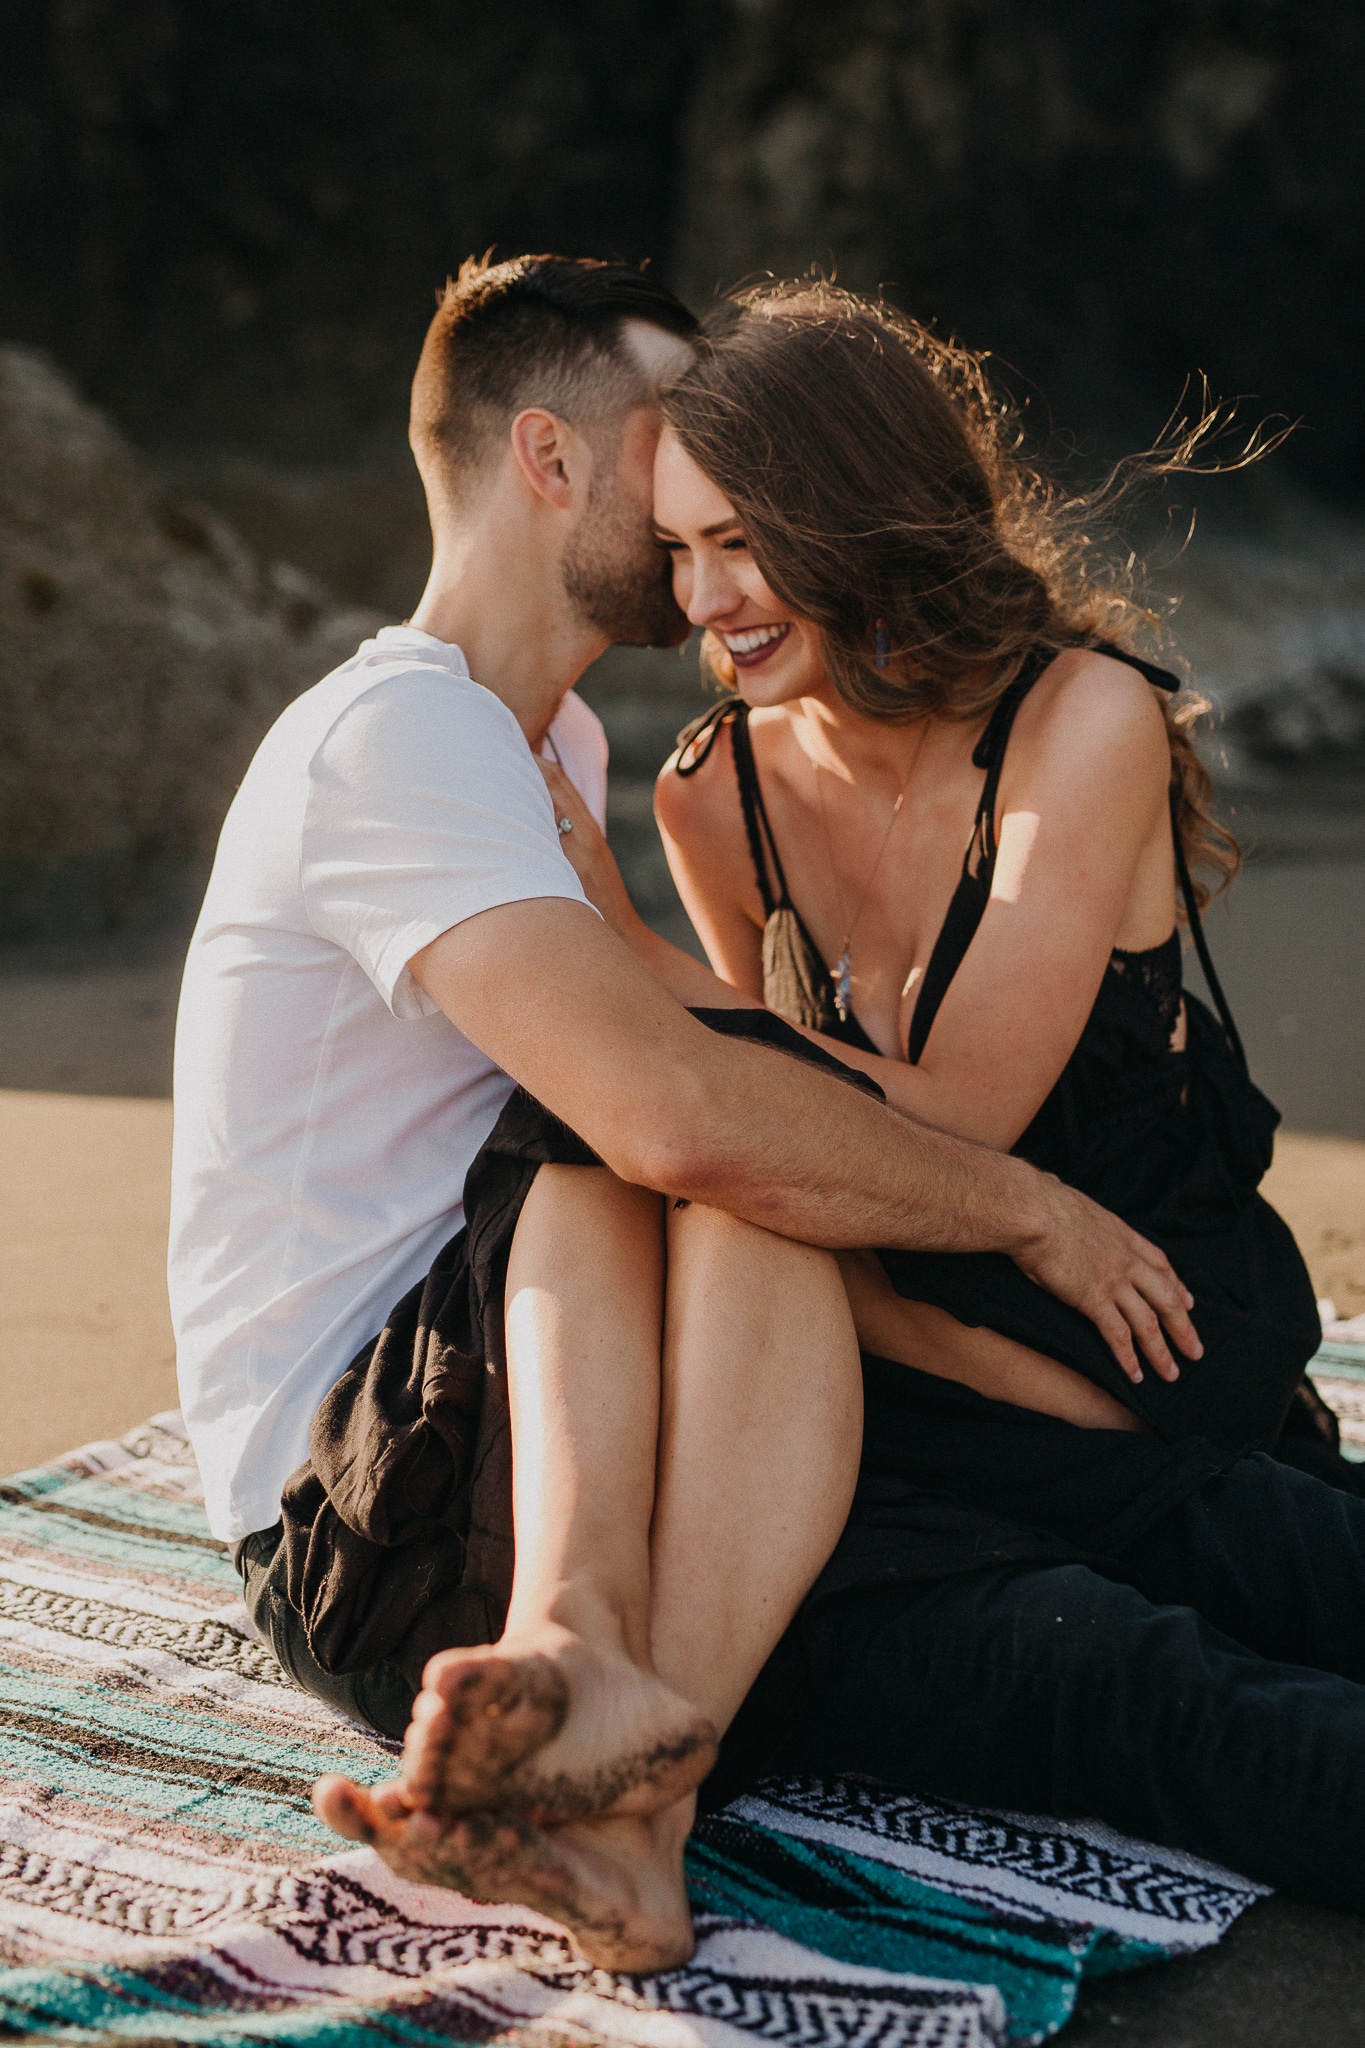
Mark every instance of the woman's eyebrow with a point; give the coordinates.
(707, 532)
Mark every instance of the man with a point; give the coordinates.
(390, 939)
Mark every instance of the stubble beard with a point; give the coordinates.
(618, 580)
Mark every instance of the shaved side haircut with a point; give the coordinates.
(539, 330)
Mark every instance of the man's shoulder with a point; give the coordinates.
(392, 685)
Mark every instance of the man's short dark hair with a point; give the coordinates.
(538, 330)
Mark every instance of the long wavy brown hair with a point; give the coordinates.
(882, 490)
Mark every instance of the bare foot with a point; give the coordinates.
(616, 1884)
(552, 1727)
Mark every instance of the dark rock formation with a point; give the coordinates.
(1109, 197)
(144, 649)
(227, 221)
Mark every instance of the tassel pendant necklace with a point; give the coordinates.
(843, 983)
(841, 973)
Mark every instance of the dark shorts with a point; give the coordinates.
(381, 1698)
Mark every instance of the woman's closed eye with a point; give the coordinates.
(730, 543)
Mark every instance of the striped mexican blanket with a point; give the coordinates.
(162, 1877)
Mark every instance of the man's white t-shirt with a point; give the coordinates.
(326, 1111)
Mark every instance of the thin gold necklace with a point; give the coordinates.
(842, 971)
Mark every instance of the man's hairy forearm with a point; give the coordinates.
(952, 1206)
(556, 999)
(806, 1154)
(563, 1006)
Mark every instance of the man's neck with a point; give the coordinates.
(514, 625)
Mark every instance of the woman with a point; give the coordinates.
(940, 825)
(1126, 1618)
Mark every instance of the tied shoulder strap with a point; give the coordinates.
(1201, 944)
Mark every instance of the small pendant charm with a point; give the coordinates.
(843, 985)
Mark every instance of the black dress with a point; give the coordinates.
(1174, 1142)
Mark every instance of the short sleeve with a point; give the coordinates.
(425, 807)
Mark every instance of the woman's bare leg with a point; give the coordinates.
(919, 1334)
(755, 1472)
(566, 1716)
(759, 1444)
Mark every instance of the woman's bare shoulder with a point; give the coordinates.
(702, 804)
(1089, 713)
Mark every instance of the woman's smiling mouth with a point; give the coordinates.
(749, 648)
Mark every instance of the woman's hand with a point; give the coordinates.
(586, 850)
(928, 1338)
(594, 863)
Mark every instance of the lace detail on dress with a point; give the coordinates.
(1158, 975)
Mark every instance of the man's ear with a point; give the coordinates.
(550, 455)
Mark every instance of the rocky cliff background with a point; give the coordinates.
(220, 230)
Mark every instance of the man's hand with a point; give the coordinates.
(1091, 1260)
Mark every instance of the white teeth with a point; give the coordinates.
(748, 643)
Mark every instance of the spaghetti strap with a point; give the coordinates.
(1201, 944)
(968, 903)
(695, 742)
(762, 844)
(1162, 679)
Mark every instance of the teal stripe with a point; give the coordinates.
(884, 1919)
(1338, 1362)
(103, 1496)
(192, 1729)
(80, 1748)
(220, 1813)
(151, 1556)
(40, 1479)
(1115, 1952)
(84, 2005)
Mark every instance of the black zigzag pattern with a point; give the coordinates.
(203, 1643)
(1067, 1864)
